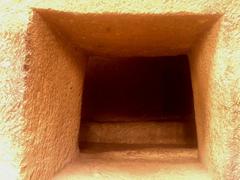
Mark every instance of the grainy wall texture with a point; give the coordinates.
(12, 57)
(41, 79)
(54, 79)
(41, 75)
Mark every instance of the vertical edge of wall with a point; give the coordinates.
(52, 101)
(14, 21)
(225, 124)
(201, 59)
(215, 73)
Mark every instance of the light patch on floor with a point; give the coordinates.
(131, 162)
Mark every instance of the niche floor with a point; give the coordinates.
(137, 121)
(131, 162)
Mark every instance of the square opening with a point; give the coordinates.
(138, 108)
(137, 112)
(138, 101)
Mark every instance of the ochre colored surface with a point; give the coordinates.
(201, 68)
(52, 100)
(103, 162)
(140, 132)
(38, 127)
(129, 34)
(41, 87)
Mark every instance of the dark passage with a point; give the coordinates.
(138, 89)
(158, 87)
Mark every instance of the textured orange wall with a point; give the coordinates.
(217, 117)
(201, 61)
(130, 34)
(215, 68)
(41, 84)
(52, 98)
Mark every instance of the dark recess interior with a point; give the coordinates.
(138, 89)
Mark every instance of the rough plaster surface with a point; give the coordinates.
(52, 100)
(13, 27)
(201, 67)
(163, 152)
(215, 71)
(215, 77)
(41, 82)
(103, 169)
(117, 35)
(134, 162)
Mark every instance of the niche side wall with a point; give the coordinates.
(201, 62)
(214, 63)
(54, 84)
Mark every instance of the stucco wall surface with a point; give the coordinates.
(41, 85)
(13, 53)
(54, 82)
(33, 110)
(113, 34)
(215, 71)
